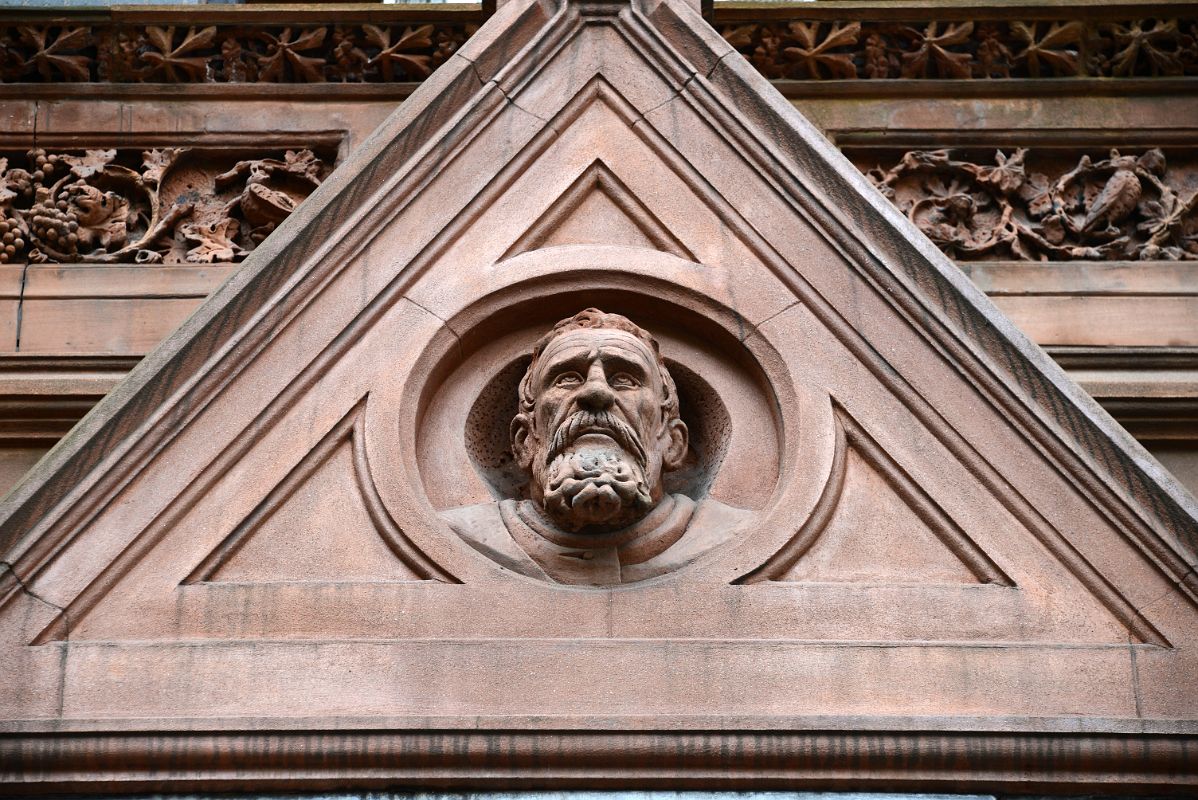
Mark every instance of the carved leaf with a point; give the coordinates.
(1159, 44)
(955, 33)
(71, 39)
(1051, 49)
(953, 65)
(1008, 175)
(75, 68)
(156, 162)
(415, 38)
(915, 65)
(1061, 34)
(283, 51)
(303, 163)
(813, 52)
(50, 57)
(840, 65)
(91, 163)
(1124, 61)
(309, 39)
(196, 40)
(1156, 214)
(390, 55)
(1163, 61)
(160, 37)
(805, 33)
(379, 37)
(932, 44)
(214, 242)
(1037, 193)
(173, 62)
(311, 69)
(739, 37)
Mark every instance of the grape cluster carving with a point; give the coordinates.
(93, 207)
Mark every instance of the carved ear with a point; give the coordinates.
(521, 444)
(675, 450)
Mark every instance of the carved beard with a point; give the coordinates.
(598, 482)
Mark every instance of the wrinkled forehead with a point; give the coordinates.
(595, 342)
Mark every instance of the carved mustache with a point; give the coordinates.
(583, 422)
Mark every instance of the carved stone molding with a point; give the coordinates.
(834, 41)
(802, 48)
(1044, 205)
(226, 53)
(168, 205)
(881, 755)
(42, 398)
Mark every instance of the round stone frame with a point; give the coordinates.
(415, 428)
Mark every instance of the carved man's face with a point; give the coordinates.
(597, 440)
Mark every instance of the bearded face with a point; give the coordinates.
(600, 481)
(597, 440)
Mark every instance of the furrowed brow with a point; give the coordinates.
(562, 363)
(624, 363)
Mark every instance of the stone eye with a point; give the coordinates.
(623, 380)
(567, 380)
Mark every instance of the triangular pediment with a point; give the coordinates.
(599, 209)
(306, 505)
(875, 526)
(321, 523)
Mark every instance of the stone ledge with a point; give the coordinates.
(597, 759)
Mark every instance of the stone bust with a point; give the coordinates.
(597, 428)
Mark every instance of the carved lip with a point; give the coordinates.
(597, 430)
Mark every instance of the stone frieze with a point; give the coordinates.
(223, 53)
(169, 205)
(1041, 206)
(964, 49)
(785, 44)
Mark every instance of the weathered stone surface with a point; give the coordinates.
(165, 205)
(110, 310)
(215, 51)
(203, 530)
(788, 42)
(1021, 205)
(813, 46)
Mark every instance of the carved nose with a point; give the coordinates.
(596, 395)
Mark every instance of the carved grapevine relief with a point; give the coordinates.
(148, 207)
(964, 49)
(1114, 208)
(226, 53)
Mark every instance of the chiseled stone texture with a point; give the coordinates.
(947, 567)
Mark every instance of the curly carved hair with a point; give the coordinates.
(593, 318)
